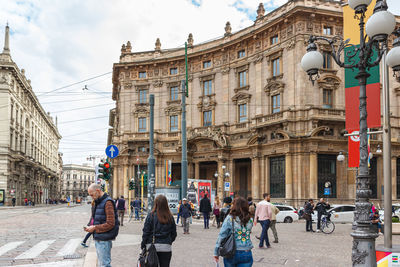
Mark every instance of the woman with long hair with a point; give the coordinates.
(160, 223)
(242, 225)
(216, 211)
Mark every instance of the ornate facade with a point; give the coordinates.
(29, 138)
(76, 180)
(251, 109)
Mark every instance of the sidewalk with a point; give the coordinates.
(296, 247)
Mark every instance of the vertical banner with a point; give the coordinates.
(168, 172)
(352, 89)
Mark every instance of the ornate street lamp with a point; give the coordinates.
(379, 26)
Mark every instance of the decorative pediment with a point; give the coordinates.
(207, 102)
(317, 130)
(241, 97)
(142, 87)
(274, 86)
(140, 109)
(329, 82)
(173, 110)
(211, 133)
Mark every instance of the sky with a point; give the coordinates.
(65, 46)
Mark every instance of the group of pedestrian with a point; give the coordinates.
(136, 205)
(29, 202)
(321, 209)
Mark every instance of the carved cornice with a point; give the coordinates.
(158, 83)
(273, 87)
(173, 110)
(243, 88)
(329, 82)
(207, 103)
(142, 87)
(213, 133)
(241, 68)
(274, 54)
(241, 97)
(206, 77)
(275, 78)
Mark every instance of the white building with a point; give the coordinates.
(29, 138)
(76, 180)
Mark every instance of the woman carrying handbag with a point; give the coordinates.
(237, 226)
(160, 230)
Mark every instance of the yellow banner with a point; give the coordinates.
(351, 29)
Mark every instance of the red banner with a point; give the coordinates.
(373, 107)
(354, 150)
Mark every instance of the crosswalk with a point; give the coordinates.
(51, 249)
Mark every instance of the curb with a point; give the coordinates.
(91, 257)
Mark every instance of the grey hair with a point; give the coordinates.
(94, 187)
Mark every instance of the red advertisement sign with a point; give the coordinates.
(373, 107)
(354, 150)
(204, 189)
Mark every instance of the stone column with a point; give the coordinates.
(230, 167)
(313, 175)
(125, 181)
(196, 170)
(255, 177)
(115, 182)
(267, 188)
(220, 180)
(289, 177)
(262, 176)
(259, 88)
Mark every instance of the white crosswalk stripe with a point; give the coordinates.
(10, 246)
(69, 247)
(36, 250)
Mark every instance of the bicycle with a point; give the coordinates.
(327, 226)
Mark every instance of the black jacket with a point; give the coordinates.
(164, 233)
(185, 210)
(321, 207)
(205, 205)
(309, 208)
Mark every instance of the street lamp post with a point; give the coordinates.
(379, 26)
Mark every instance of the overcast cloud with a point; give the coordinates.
(62, 42)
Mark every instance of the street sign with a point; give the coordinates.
(227, 186)
(112, 151)
(327, 191)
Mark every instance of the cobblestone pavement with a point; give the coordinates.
(43, 236)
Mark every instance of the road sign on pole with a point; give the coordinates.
(227, 186)
(112, 151)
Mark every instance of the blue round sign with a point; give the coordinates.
(112, 151)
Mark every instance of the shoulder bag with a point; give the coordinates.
(227, 248)
(151, 253)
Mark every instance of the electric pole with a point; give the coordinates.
(151, 162)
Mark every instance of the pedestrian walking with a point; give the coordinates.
(186, 212)
(308, 211)
(105, 224)
(321, 208)
(205, 209)
(160, 225)
(242, 226)
(226, 208)
(263, 216)
(193, 211)
(274, 212)
(26, 201)
(13, 200)
(179, 215)
(121, 207)
(252, 206)
(216, 212)
(91, 221)
(136, 205)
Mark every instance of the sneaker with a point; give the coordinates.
(84, 245)
(275, 241)
(268, 246)
(318, 231)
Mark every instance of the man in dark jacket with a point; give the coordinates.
(321, 208)
(105, 224)
(205, 208)
(121, 209)
(226, 209)
(186, 212)
(163, 233)
(308, 210)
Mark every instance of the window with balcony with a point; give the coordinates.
(142, 125)
(276, 69)
(242, 78)
(142, 74)
(206, 64)
(207, 87)
(207, 118)
(173, 123)
(143, 96)
(327, 98)
(276, 103)
(243, 113)
(174, 93)
(241, 53)
(173, 71)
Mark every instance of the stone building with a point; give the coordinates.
(29, 138)
(251, 108)
(76, 180)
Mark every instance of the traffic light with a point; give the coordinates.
(132, 184)
(103, 187)
(145, 180)
(105, 171)
(101, 171)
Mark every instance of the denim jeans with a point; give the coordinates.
(103, 250)
(264, 233)
(242, 258)
(206, 216)
(136, 213)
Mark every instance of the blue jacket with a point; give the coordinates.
(121, 204)
(185, 210)
(100, 218)
(241, 234)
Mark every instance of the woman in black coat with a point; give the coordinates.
(161, 224)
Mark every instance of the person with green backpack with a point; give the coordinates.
(237, 227)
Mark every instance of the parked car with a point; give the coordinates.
(395, 214)
(287, 214)
(342, 213)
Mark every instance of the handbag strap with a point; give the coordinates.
(154, 228)
(233, 229)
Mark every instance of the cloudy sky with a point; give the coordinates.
(61, 43)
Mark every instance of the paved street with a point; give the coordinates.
(50, 236)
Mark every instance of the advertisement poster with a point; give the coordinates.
(172, 195)
(197, 190)
(2, 195)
